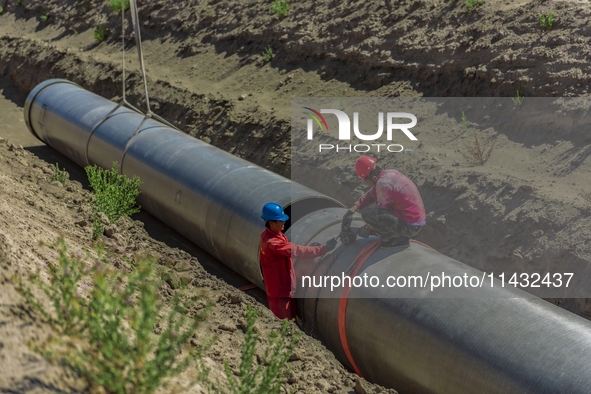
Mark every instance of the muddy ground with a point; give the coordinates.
(206, 73)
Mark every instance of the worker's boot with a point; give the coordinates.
(366, 231)
(395, 241)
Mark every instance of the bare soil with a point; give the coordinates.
(206, 74)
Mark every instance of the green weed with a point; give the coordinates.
(268, 54)
(464, 121)
(103, 325)
(115, 195)
(59, 175)
(280, 7)
(1, 10)
(270, 373)
(546, 21)
(75, 32)
(208, 11)
(471, 4)
(117, 5)
(518, 100)
(97, 224)
(44, 18)
(100, 33)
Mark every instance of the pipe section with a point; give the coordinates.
(208, 195)
(503, 341)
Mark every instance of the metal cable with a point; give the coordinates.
(138, 42)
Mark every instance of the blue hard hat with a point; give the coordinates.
(274, 211)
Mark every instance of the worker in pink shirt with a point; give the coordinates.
(275, 253)
(399, 213)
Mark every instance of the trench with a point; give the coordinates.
(453, 199)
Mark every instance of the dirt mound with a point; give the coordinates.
(36, 210)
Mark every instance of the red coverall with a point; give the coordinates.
(275, 254)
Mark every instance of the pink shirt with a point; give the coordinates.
(396, 193)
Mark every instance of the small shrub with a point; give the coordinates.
(100, 33)
(471, 4)
(518, 100)
(117, 5)
(59, 175)
(268, 54)
(115, 195)
(478, 152)
(44, 18)
(546, 21)
(103, 326)
(280, 7)
(268, 376)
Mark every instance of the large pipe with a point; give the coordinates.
(502, 341)
(206, 194)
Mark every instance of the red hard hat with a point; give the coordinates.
(365, 165)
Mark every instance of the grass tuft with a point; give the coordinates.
(471, 4)
(100, 33)
(103, 323)
(117, 5)
(518, 100)
(268, 54)
(280, 7)
(268, 374)
(546, 21)
(115, 195)
(59, 175)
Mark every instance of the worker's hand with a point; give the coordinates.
(330, 244)
(349, 236)
(347, 219)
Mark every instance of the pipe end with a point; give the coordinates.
(31, 98)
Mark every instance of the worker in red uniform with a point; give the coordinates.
(399, 213)
(275, 253)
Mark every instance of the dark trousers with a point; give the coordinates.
(387, 225)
